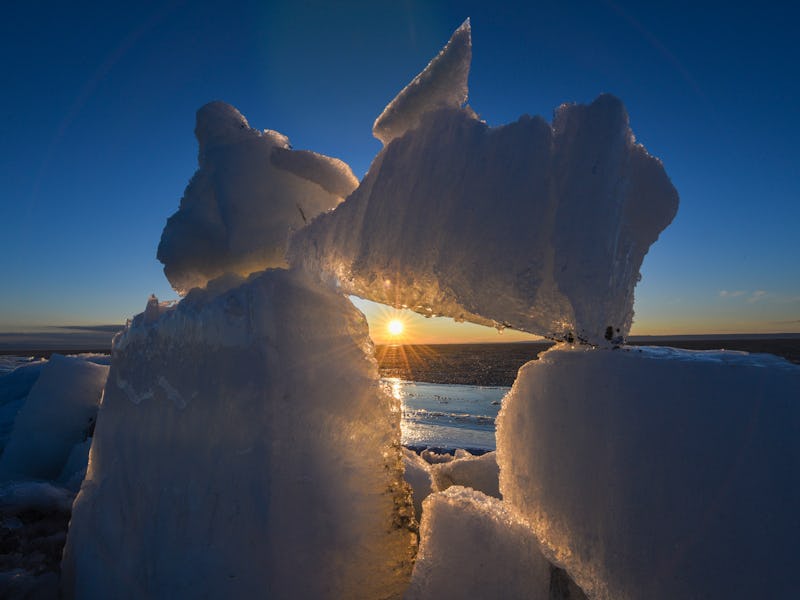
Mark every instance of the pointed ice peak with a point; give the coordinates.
(442, 84)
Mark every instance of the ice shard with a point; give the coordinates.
(442, 84)
(658, 473)
(534, 226)
(244, 447)
(250, 191)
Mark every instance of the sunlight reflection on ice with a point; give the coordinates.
(446, 415)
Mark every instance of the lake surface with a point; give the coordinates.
(447, 416)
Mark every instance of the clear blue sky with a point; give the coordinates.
(98, 104)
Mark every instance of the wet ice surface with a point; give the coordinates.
(447, 416)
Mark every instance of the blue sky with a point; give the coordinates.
(98, 116)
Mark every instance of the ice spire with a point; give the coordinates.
(443, 83)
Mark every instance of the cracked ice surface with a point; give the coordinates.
(244, 444)
(250, 191)
(541, 228)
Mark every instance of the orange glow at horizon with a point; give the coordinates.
(394, 326)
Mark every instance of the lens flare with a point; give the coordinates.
(395, 327)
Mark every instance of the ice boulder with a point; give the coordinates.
(659, 473)
(58, 413)
(245, 448)
(471, 546)
(250, 191)
(477, 472)
(442, 84)
(534, 226)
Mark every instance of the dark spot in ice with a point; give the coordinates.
(562, 587)
(89, 431)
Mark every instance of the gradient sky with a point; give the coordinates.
(99, 100)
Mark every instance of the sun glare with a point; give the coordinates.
(395, 327)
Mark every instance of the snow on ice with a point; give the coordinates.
(659, 473)
(244, 444)
(250, 192)
(534, 226)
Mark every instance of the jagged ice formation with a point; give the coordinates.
(534, 226)
(244, 446)
(250, 191)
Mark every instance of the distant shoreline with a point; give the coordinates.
(493, 364)
(47, 353)
(488, 363)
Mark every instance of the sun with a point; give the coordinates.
(395, 327)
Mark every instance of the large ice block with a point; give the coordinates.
(659, 473)
(250, 191)
(537, 227)
(244, 448)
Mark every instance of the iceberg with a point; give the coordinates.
(538, 227)
(250, 191)
(658, 473)
(245, 445)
